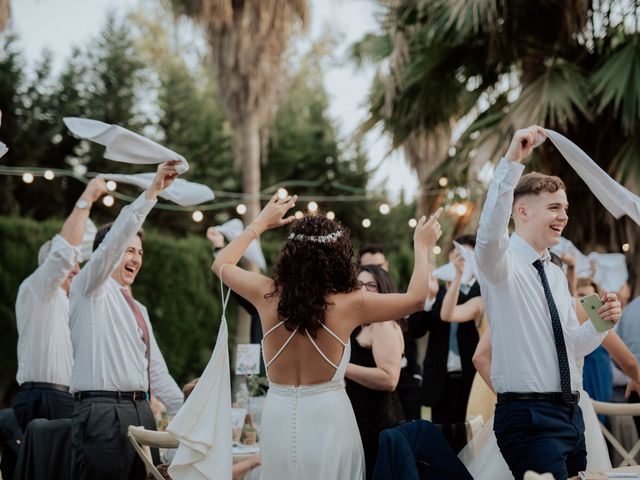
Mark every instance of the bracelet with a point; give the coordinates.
(251, 229)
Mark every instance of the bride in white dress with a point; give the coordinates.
(308, 310)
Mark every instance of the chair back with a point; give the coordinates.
(143, 440)
(619, 410)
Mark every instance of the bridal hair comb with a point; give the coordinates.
(329, 238)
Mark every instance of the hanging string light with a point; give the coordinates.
(298, 214)
(384, 209)
(111, 185)
(625, 247)
(413, 222)
(49, 175)
(312, 206)
(241, 209)
(331, 215)
(366, 223)
(197, 216)
(437, 250)
(27, 177)
(108, 200)
(282, 193)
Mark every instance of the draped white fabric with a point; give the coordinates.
(123, 145)
(181, 191)
(253, 253)
(615, 198)
(203, 424)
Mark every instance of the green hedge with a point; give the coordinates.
(175, 283)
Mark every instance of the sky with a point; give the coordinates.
(58, 25)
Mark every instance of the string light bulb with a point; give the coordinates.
(111, 185)
(437, 250)
(443, 181)
(241, 209)
(384, 209)
(282, 193)
(108, 201)
(331, 215)
(366, 223)
(298, 214)
(27, 177)
(625, 247)
(413, 222)
(312, 206)
(197, 216)
(49, 175)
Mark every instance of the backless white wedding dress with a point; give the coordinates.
(309, 432)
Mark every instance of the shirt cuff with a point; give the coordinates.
(143, 205)
(72, 252)
(509, 172)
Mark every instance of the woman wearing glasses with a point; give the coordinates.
(374, 369)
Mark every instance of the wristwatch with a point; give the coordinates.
(82, 204)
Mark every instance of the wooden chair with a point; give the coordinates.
(143, 440)
(619, 409)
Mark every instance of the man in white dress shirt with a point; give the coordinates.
(42, 316)
(536, 336)
(117, 362)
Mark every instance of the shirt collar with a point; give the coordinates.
(526, 251)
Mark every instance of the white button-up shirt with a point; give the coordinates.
(524, 357)
(109, 349)
(42, 317)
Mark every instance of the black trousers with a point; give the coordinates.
(541, 436)
(44, 403)
(410, 394)
(452, 406)
(100, 447)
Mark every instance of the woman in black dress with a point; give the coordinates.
(374, 369)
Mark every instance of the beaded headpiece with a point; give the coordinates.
(329, 238)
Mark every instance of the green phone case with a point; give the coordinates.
(591, 304)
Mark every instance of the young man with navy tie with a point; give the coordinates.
(536, 336)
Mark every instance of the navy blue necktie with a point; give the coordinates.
(561, 348)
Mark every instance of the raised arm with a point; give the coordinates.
(387, 346)
(105, 258)
(251, 285)
(482, 357)
(451, 311)
(493, 236)
(369, 307)
(64, 254)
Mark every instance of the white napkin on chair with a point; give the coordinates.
(123, 145)
(203, 424)
(181, 191)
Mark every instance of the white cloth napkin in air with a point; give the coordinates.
(615, 198)
(123, 145)
(611, 270)
(181, 191)
(203, 424)
(566, 247)
(253, 253)
(3, 149)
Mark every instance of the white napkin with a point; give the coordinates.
(253, 253)
(123, 145)
(203, 424)
(446, 272)
(566, 247)
(181, 191)
(469, 272)
(611, 270)
(615, 198)
(3, 149)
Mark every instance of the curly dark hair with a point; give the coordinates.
(307, 271)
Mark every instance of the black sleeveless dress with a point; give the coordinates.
(375, 410)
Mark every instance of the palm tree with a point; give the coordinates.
(572, 66)
(247, 40)
(5, 12)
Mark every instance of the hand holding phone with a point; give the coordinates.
(591, 304)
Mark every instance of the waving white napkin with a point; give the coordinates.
(469, 272)
(3, 149)
(123, 145)
(446, 272)
(611, 270)
(566, 247)
(615, 198)
(181, 191)
(253, 253)
(203, 424)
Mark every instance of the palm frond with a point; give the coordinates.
(626, 163)
(617, 83)
(371, 48)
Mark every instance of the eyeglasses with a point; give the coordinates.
(370, 286)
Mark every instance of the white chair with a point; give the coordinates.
(619, 409)
(142, 440)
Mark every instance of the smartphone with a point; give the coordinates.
(591, 304)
